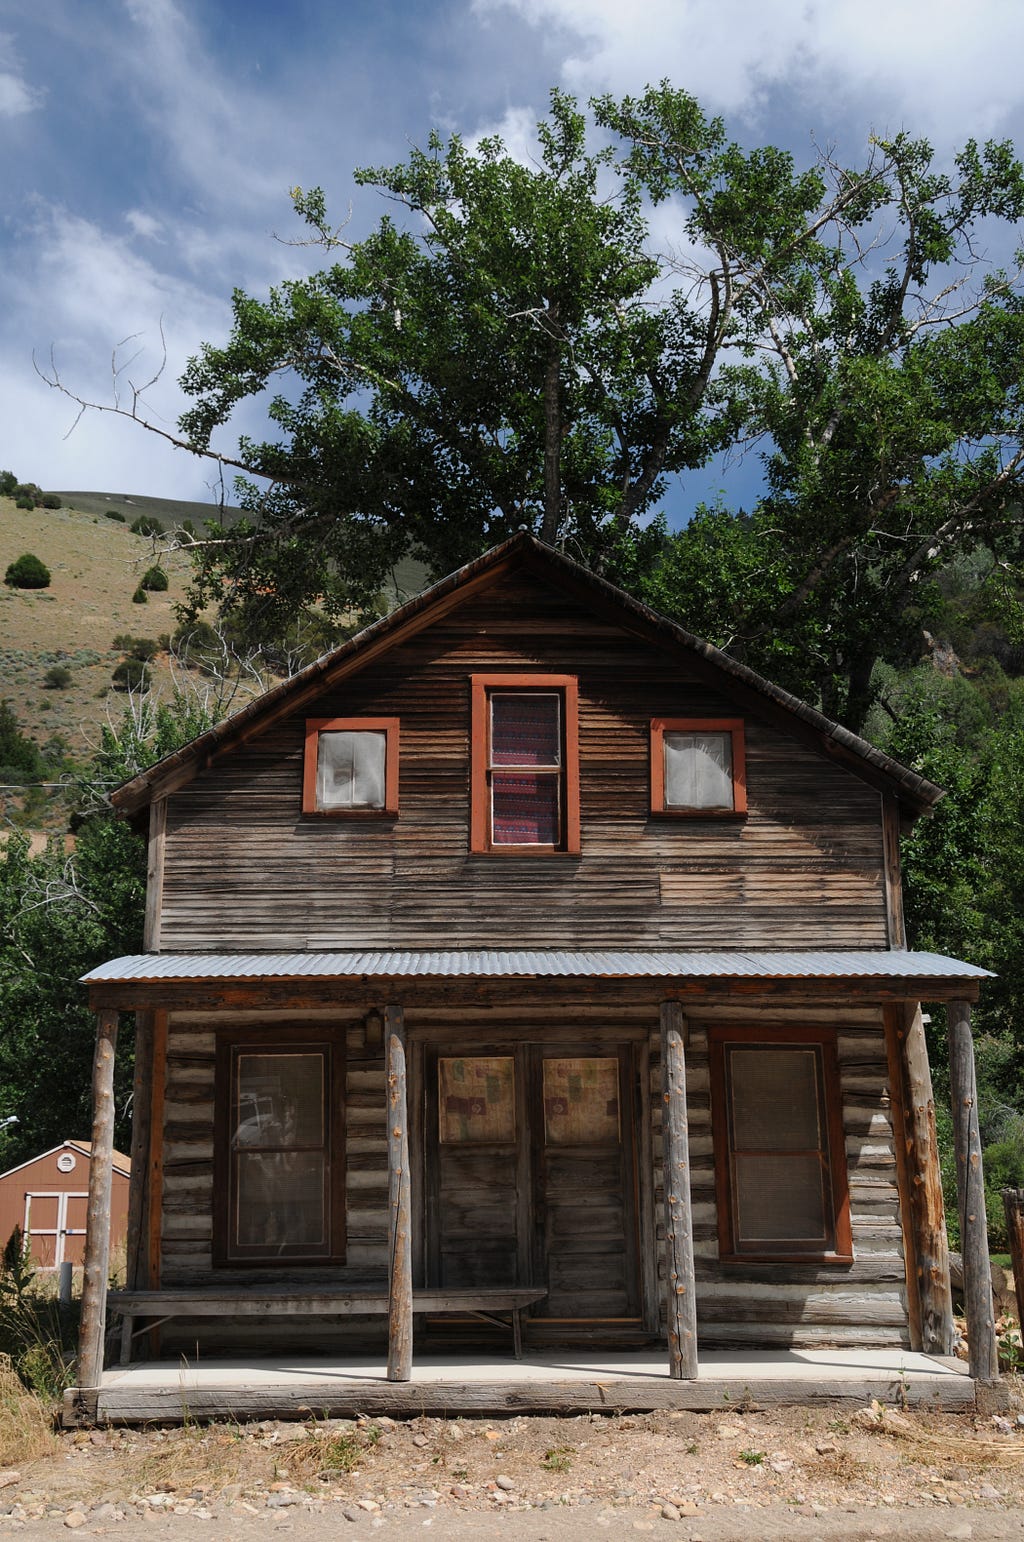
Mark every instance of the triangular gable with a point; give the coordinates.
(524, 552)
(120, 1162)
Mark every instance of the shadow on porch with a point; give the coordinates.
(566, 1382)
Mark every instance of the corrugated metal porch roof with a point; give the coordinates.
(531, 963)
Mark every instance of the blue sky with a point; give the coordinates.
(148, 147)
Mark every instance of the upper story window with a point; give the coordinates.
(698, 766)
(780, 1158)
(525, 764)
(351, 766)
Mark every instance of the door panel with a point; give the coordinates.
(530, 1177)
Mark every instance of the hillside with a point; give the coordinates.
(95, 565)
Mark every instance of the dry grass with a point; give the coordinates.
(26, 1423)
(981, 1450)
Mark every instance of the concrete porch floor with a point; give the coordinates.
(549, 1382)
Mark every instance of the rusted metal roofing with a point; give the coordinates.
(534, 963)
(912, 789)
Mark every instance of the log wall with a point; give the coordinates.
(749, 1304)
(242, 869)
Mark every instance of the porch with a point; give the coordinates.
(547, 1382)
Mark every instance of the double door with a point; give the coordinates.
(531, 1176)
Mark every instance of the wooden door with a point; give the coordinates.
(530, 1176)
(584, 1206)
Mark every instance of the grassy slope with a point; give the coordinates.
(95, 566)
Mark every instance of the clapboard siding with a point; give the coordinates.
(749, 1304)
(244, 869)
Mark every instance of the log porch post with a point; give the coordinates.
(925, 1241)
(399, 1202)
(983, 1359)
(137, 1261)
(681, 1291)
(97, 1236)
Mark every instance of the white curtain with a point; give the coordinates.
(698, 770)
(350, 769)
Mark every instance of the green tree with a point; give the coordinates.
(885, 385)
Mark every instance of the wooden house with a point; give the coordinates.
(528, 958)
(46, 1197)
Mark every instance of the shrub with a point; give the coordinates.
(29, 490)
(132, 675)
(51, 501)
(140, 597)
(154, 579)
(57, 678)
(27, 573)
(114, 514)
(8, 483)
(24, 502)
(147, 524)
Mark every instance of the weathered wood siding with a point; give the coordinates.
(756, 1304)
(244, 870)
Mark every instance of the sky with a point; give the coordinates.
(147, 149)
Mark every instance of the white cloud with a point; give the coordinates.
(145, 225)
(16, 95)
(937, 64)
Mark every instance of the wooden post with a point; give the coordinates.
(1013, 1205)
(924, 1222)
(399, 1202)
(97, 1236)
(137, 1261)
(682, 1297)
(983, 1361)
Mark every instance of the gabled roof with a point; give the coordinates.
(524, 552)
(120, 1162)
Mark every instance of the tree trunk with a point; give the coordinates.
(552, 428)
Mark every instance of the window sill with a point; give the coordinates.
(698, 813)
(839, 1260)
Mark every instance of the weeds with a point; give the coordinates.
(26, 1423)
(752, 1458)
(37, 1332)
(558, 1459)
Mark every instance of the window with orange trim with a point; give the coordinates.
(525, 764)
(780, 1155)
(350, 766)
(698, 766)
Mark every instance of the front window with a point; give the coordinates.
(280, 1169)
(525, 764)
(780, 1157)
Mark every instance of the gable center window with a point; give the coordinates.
(350, 766)
(525, 793)
(698, 766)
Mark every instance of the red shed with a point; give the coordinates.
(48, 1195)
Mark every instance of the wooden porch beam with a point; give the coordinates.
(399, 1201)
(930, 1304)
(983, 1357)
(97, 1237)
(682, 1297)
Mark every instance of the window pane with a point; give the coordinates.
(477, 1099)
(525, 809)
(280, 1101)
(781, 1199)
(698, 770)
(281, 1199)
(525, 730)
(775, 1099)
(350, 768)
(581, 1102)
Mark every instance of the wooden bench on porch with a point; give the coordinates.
(492, 1304)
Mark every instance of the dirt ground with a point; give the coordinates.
(743, 1473)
